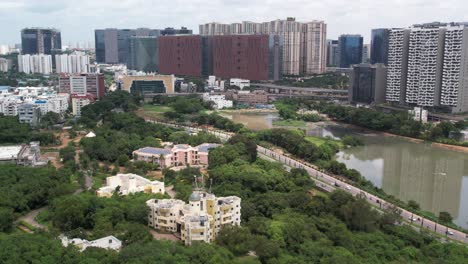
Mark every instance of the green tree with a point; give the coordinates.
(6, 219)
(236, 239)
(445, 217)
(413, 205)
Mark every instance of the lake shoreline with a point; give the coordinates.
(411, 139)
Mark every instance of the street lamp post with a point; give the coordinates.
(440, 198)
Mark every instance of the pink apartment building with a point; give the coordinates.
(177, 155)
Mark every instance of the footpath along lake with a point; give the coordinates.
(434, 177)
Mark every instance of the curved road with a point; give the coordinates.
(330, 183)
(30, 218)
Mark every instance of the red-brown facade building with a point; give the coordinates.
(180, 55)
(241, 56)
(83, 84)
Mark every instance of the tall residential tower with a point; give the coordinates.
(304, 43)
(428, 66)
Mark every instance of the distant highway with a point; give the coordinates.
(330, 183)
(300, 89)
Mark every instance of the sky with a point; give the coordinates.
(78, 19)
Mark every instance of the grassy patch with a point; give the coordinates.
(290, 123)
(320, 140)
(99, 180)
(43, 217)
(30, 227)
(153, 111)
(156, 108)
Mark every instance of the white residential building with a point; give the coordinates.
(57, 103)
(108, 242)
(419, 114)
(77, 62)
(397, 65)
(44, 98)
(38, 63)
(5, 65)
(199, 220)
(79, 102)
(428, 66)
(219, 100)
(241, 83)
(454, 90)
(215, 84)
(129, 183)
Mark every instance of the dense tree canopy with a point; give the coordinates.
(12, 131)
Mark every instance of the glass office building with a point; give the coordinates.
(113, 45)
(379, 46)
(143, 55)
(350, 50)
(40, 41)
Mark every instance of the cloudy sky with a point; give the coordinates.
(77, 19)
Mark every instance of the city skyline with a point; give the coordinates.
(77, 23)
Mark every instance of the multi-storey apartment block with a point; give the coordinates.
(38, 63)
(199, 220)
(304, 43)
(177, 155)
(454, 91)
(424, 65)
(427, 66)
(397, 65)
(74, 63)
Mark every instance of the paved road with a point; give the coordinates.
(330, 183)
(30, 218)
(372, 199)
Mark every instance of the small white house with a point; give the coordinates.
(130, 183)
(219, 100)
(241, 83)
(108, 242)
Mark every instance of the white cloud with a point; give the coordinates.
(78, 19)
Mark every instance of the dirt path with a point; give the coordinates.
(30, 218)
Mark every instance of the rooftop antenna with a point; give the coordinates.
(203, 181)
(211, 183)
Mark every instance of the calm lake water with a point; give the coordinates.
(434, 177)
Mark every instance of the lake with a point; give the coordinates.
(434, 177)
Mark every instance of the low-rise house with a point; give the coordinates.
(108, 242)
(129, 183)
(177, 155)
(219, 100)
(199, 220)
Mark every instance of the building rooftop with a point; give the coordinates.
(182, 146)
(154, 151)
(108, 242)
(9, 152)
(205, 147)
(194, 197)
